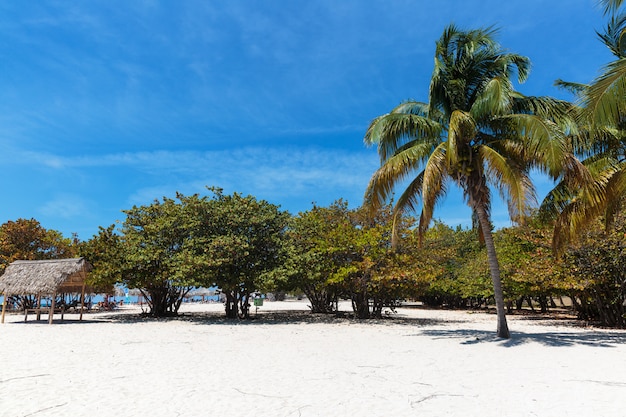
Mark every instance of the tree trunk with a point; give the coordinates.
(494, 268)
(230, 305)
(360, 305)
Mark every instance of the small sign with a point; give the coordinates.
(258, 302)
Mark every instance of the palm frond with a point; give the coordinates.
(615, 194)
(611, 6)
(493, 100)
(460, 131)
(511, 180)
(604, 100)
(409, 200)
(392, 130)
(433, 185)
(544, 142)
(574, 88)
(395, 169)
(613, 36)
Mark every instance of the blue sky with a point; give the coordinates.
(106, 104)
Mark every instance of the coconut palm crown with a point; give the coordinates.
(477, 132)
(600, 143)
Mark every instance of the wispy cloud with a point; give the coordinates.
(65, 206)
(276, 174)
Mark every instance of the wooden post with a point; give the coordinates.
(51, 313)
(82, 300)
(4, 305)
(38, 306)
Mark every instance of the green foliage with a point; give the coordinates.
(24, 239)
(27, 240)
(456, 265)
(309, 266)
(476, 131)
(240, 241)
(597, 189)
(171, 246)
(597, 263)
(155, 251)
(337, 252)
(104, 253)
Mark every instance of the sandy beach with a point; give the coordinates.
(418, 363)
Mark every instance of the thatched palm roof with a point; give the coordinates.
(44, 277)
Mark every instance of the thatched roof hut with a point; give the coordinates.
(46, 277)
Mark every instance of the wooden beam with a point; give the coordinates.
(51, 313)
(38, 304)
(4, 305)
(82, 300)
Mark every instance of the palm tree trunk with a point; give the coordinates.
(494, 268)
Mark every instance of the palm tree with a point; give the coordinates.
(475, 131)
(601, 143)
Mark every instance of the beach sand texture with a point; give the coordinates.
(420, 363)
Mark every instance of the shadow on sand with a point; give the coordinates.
(284, 317)
(592, 338)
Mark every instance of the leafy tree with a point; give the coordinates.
(476, 131)
(156, 254)
(454, 267)
(307, 266)
(171, 246)
(529, 269)
(369, 272)
(104, 252)
(242, 242)
(597, 263)
(339, 252)
(24, 239)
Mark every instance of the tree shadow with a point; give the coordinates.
(592, 338)
(283, 317)
(56, 322)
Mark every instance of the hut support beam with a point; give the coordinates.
(37, 306)
(4, 305)
(82, 300)
(51, 312)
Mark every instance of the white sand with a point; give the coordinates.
(440, 363)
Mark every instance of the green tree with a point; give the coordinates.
(308, 266)
(529, 269)
(453, 266)
(157, 254)
(104, 252)
(597, 262)
(24, 239)
(242, 242)
(476, 131)
(367, 270)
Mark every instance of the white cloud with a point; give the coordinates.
(65, 206)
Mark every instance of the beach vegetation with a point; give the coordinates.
(155, 255)
(337, 252)
(239, 241)
(597, 262)
(477, 133)
(174, 245)
(26, 239)
(601, 145)
(307, 267)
